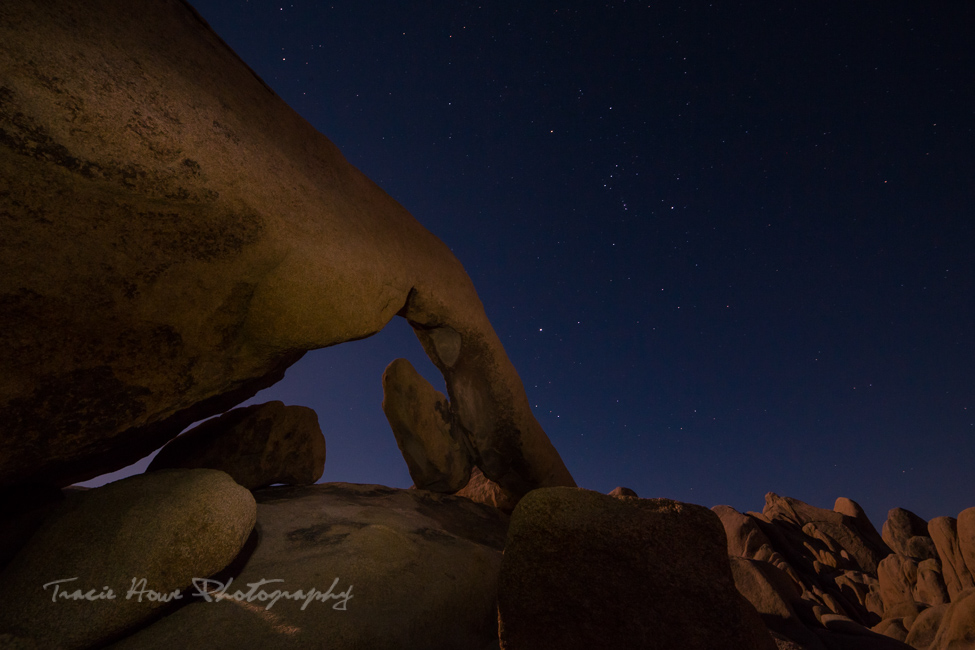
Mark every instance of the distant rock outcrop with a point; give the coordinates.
(127, 546)
(174, 236)
(586, 570)
(257, 445)
(820, 578)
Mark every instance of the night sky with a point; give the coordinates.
(727, 246)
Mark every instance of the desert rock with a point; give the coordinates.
(436, 451)
(966, 538)
(411, 569)
(944, 534)
(481, 489)
(902, 525)
(198, 237)
(622, 492)
(587, 570)
(151, 532)
(257, 445)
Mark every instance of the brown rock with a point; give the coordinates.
(745, 538)
(165, 528)
(175, 236)
(436, 451)
(966, 538)
(897, 575)
(481, 489)
(586, 570)
(22, 511)
(420, 570)
(622, 492)
(944, 534)
(921, 547)
(923, 632)
(892, 627)
(855, 536)
(930, 589)
(901, 525)
(774, 596)
(864, 590)
(257, 445)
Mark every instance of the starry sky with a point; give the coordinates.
(728, 246)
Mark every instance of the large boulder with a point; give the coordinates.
(774, 595)
(587, 570)
(946, 627)
(174, 236)
(898, 578)
(944, 533)
(900, 527)
(435, 449)
(401, 569)
(257, 445)
(966, 538)
(745, 538)
(109, 558)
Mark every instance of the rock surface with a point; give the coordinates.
(420, 570)
(481, 489)
(164, 528)
(436, 451)
(621, 491)
(197, 237)
(966, 538)
(586, 570)
(944, 533)
(900, 527)
(257, 445)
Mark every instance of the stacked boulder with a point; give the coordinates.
(826, 579)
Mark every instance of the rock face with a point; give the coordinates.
(944, 533)
(174, 236)
(900, 529)
(812, 574)
(257, 445)
(587, 570)
(966, 538)
(481, 489)
(808, 573)
(152, 532)
(436, 451)
(412, 569)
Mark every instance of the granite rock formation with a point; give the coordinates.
(825, 579)
(147, 533)
(174, 236)
(587, 570)
(436, 452)
(412, 569)
(257, 445)
(481, 489)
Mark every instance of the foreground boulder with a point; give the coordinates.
(174, 236)
(436, 451)
(257, 445)
(587, 570)
(392, 569)
(129, 546)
